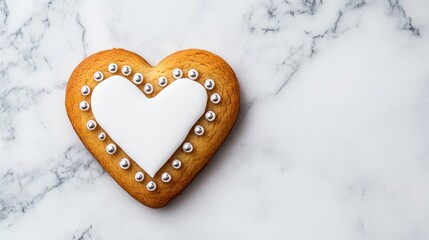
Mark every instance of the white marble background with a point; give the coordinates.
(332, 141)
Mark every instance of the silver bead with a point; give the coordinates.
(138, 78)
(102, 136)
(162, 81)
(111, 148)
(187, 147)
(210, 116)
(209, 84)
(148, 88)
(126, 70)
(193, 74)
(139, 176)
(177, 73)
(112, 68)
(85, 90)
(166, 177)
(176, 163)
(151, 186)
(84, 106)
(98, 76)
(215, 98)
(124, 163)
(91, 125)
(199, 130)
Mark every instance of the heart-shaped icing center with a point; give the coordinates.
(149, 130)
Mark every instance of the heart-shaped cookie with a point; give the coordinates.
(153, 129)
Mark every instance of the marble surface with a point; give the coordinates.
(332, 141)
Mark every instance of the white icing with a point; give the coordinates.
(149, 130)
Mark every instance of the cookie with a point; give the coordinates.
(153, 128)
